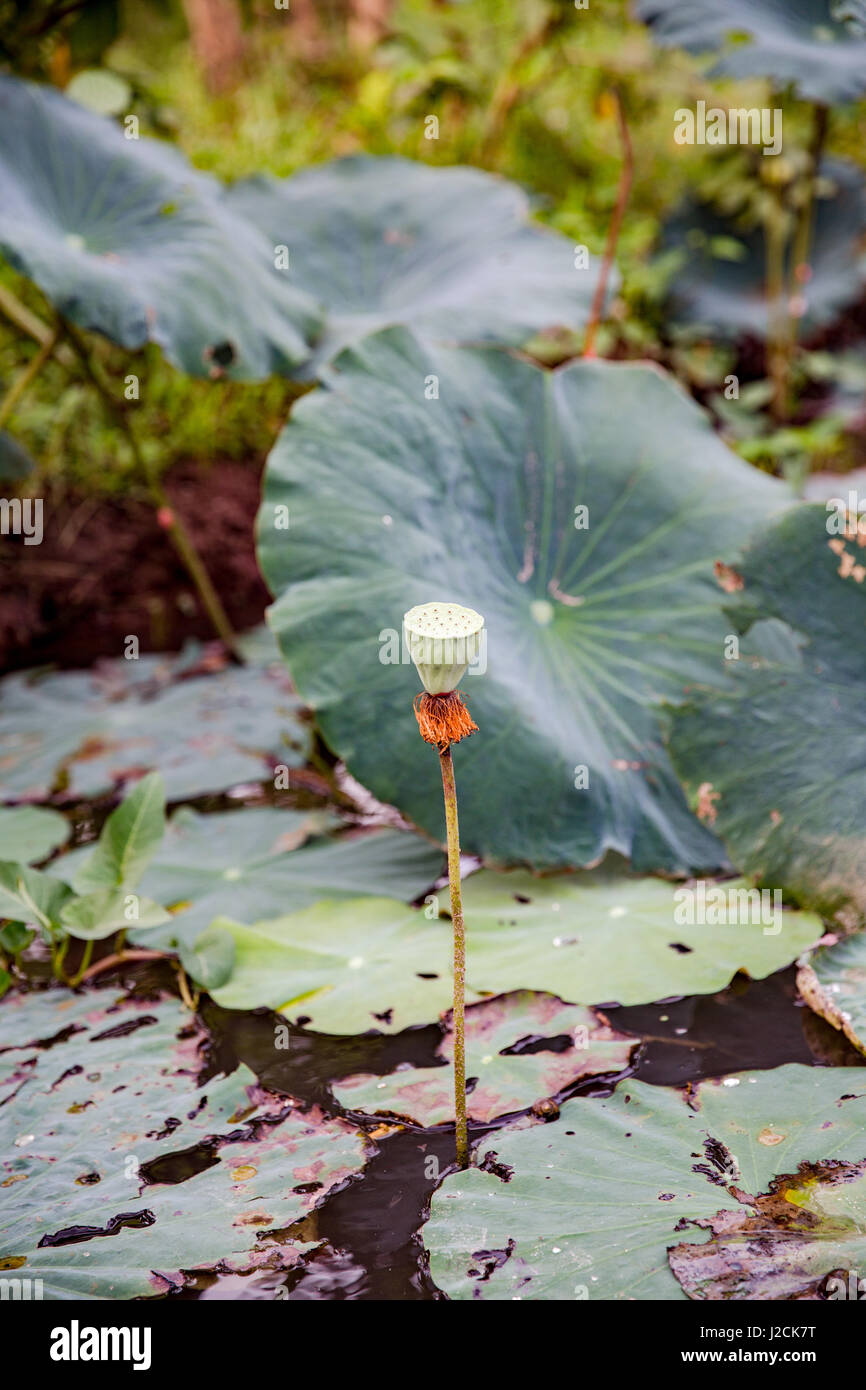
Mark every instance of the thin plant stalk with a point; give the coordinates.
(459, 932)
(778, 336)
(784, 320)
(23, 381)
(31, 325)
(86, 957)
(176, 530)
(613, 231)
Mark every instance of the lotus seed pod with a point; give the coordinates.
(443, 639)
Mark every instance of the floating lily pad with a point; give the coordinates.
(30, 833)
(244, 864)
(589, 938)
(590, 1205)
(816, 46)
(726, 294)
(605, 937)
(480, 496)
(507, 1064)
(90, 1127)
(449, 252)
(777, 763)
(124, 237)
(805, 1238)
(84, 733)
(832, 980)
(343, 967)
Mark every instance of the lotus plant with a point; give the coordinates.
(443, 639)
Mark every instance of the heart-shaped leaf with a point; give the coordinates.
(816, 46)
(128, 841)
(95, 916)
(28, 896)
(450, 253)
(86, 732)
(580, 511)
(590, 1205)
(100, 1132)
(777, 762)
(508, 1066)
(30, 833)
(124, 237)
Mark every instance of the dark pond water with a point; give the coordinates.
(370, 1227)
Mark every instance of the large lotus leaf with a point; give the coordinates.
(720, 285)
(243, 864)
(778, 762)
(808, 1227)
(589, 938)
(833, 981)
(817, 46)
(395, 499)
(449, 252)
(124, 237)
(588, 1206)
(94, 1202)
(508, 1066)
(86, 732)
(343, 967)
(604, 937)
(30, 833)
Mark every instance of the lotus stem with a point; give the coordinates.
(613, 231)
(443, 639)
(175, 528)
(458, 1022)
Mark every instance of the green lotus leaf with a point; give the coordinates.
(501, 1077)
(86, 732)
(778, 761)
(15, 460)
(450, 253)
(480, 497)
(726, 295)
(589, 1206)
(30, 833)
(816, 46)
(244, 864)
(805, 1238)
(592, 938)
(210, 959)
(833, 982)
(124, 237)
(95, 916)
(90, 1130)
